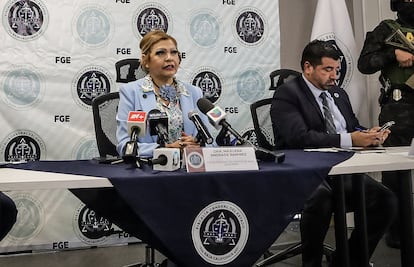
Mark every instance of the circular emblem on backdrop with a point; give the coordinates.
(250, 86)
(89, 83)
(90, 227)
(25, 20)
(86, 149)
(23, 145)
(22, 88)
(204, 28)
(149, 17)
(347, 65)
(220, 232)
(93, 26)
(251, 136)
(30, 217)
(210, 82)
(249, 26)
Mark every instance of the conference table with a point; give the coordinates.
(221, 218)
(394, 158)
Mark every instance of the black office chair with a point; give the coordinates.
(104, 109)
(128, 70)
(260, 111)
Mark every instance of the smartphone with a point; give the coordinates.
(386, 126)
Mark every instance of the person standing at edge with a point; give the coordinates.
(395, 62)
(8, 215)
(310, 111)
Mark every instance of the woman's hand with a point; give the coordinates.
(185, 141)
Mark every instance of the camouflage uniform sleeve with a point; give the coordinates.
(375, 54)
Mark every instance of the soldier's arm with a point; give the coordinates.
(376, 54)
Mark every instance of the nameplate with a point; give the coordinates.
(207, 159)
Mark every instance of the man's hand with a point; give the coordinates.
(404, 58)
(369, 137)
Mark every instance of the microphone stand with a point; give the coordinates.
(161, 140)
(131, 152)
(202, 142)
(223, 137)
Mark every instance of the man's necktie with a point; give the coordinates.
(329, 123)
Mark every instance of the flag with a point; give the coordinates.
(332, 23)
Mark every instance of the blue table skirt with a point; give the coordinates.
(165, 205)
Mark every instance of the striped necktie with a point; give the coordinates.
(329, 123)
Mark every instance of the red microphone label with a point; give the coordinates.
(137, 116)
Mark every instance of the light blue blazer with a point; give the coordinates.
(134, 98)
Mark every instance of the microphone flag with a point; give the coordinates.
(137, 119)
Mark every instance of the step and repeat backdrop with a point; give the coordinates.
(57, 56)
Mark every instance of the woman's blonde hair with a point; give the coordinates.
(148, 41)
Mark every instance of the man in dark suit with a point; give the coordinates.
(302, 118)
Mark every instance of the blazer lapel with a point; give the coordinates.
(308, 94)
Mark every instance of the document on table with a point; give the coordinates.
(355, 149)
(363, 150)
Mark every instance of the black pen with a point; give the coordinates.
(360, 129)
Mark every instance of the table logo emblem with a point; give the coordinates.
(220, 232)
(90, 227)
(30, 217)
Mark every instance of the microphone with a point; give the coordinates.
(136, 123)
(158, 125)
(136, 128)
(217, 117)
(166, 159)
(203, 132)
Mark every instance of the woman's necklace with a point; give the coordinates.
(167, 92)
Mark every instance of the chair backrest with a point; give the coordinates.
(128, 70)
(260, 110)
(281, 76)
(104, 109)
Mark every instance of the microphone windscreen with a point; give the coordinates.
(154, 113)
(204, 105)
